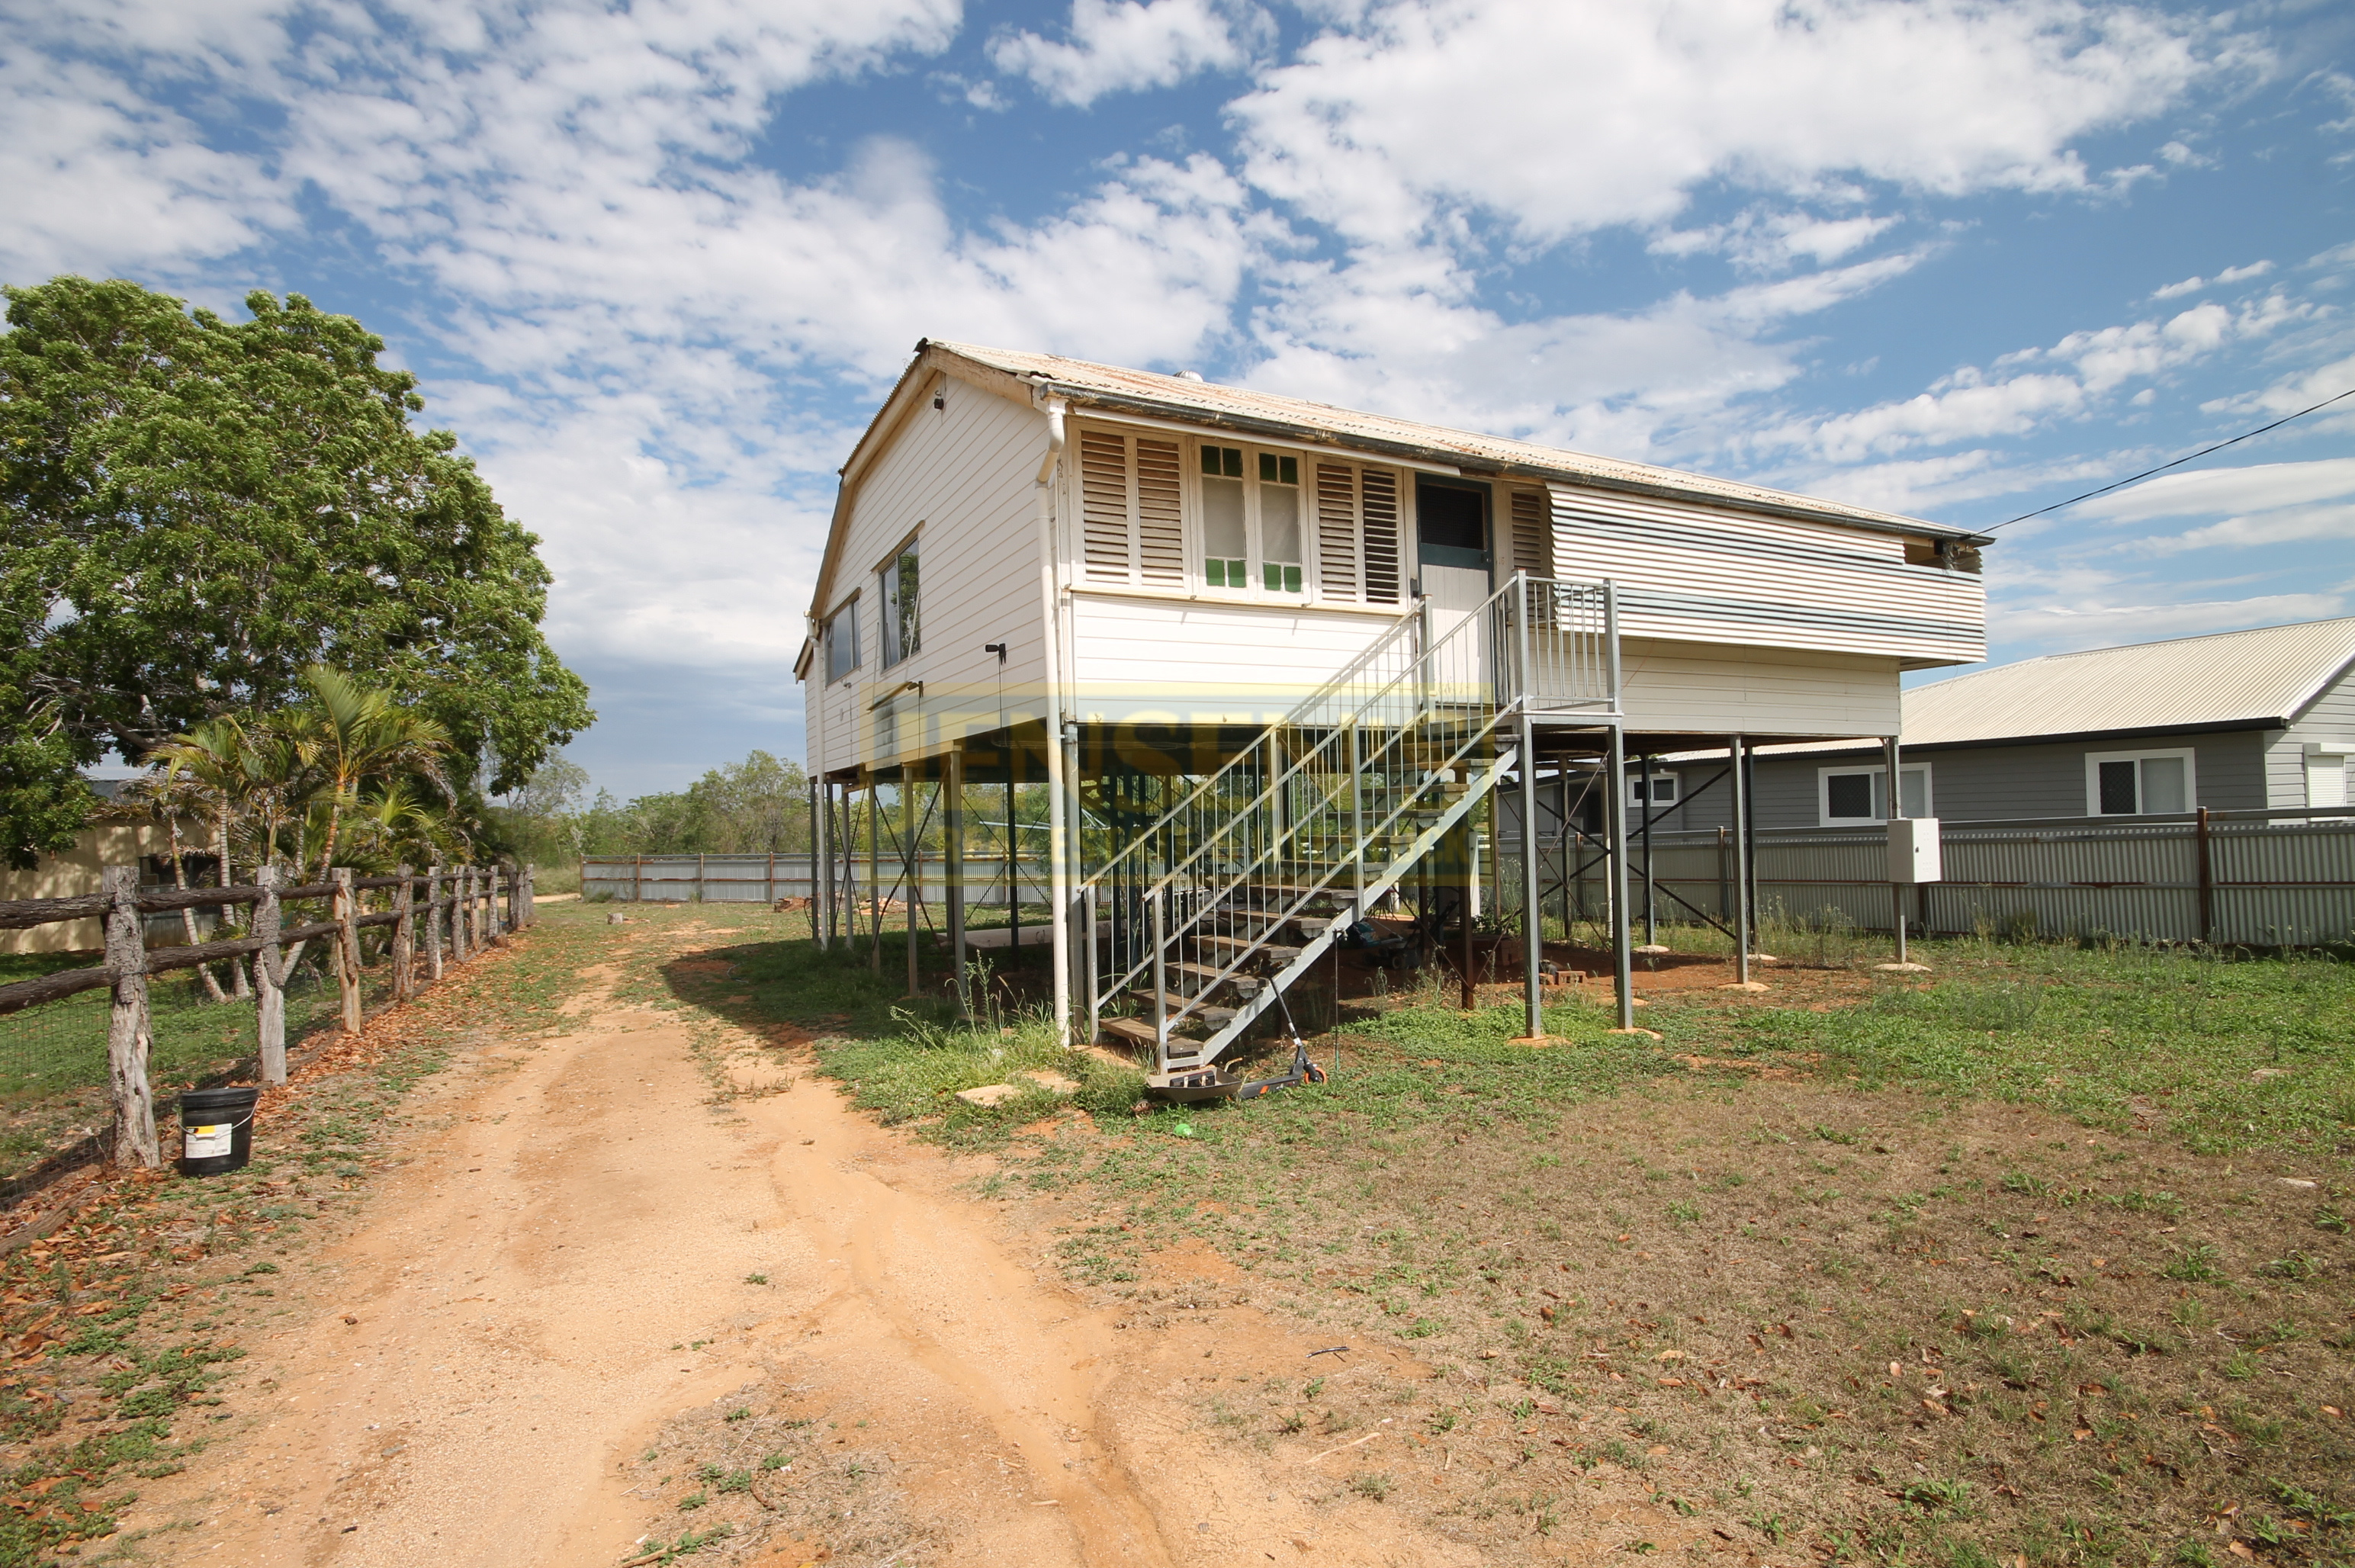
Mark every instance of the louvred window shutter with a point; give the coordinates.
(1378, 506)
(1106, 544)
(1533, 532)
(1337, 532)
(1160, 527)
(1357, 534)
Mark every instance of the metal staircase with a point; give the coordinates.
(1199, 918)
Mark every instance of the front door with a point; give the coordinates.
(1454, 560)
(1452, 551)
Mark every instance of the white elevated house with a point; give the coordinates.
(1272, 658)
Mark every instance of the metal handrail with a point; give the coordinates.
(1304, 813)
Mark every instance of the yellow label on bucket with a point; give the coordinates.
(206, 1143)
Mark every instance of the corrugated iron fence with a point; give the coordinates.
(765, 878)
(2266, 878)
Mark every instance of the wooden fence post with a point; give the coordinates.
(492, 908)
(129, 1032)
(270, 980)
(433, 921)
(404, 937)
(458, 914)
(348, 947)
(529, 913)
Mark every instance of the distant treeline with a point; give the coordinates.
(755, 806)
(759, 805)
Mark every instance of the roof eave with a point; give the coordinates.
(1094, 397)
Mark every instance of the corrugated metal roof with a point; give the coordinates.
(1183, 396)
(2269, 674)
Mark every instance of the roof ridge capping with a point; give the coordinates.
(1281, 414)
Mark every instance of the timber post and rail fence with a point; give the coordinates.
(480, 903)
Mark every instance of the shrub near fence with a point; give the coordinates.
(462, 910)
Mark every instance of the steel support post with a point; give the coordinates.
(1160, 982)
(1614, 806)
(874, 880)
(1063, 852)
(1357, 826)
(1896, 812)
(1651, 915)
(952, 843)
(1733, 756)
(1532, 916)
(910, 865)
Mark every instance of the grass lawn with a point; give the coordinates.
(2042, 1258)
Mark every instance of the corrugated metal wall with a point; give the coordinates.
(2270, 878)
(764, 879)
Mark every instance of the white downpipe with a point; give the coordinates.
(1058, 880)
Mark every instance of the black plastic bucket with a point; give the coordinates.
(216, 1130)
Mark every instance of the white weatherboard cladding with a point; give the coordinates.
(963, 474)
(1700, 575)
(1694, 688)
(1176, 661)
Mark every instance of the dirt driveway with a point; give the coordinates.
(587, 1280)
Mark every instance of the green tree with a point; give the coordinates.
(198, 510)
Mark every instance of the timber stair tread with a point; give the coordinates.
(1131, 1031)
(1247, 984)
(1246, 944)
(1216, 1018)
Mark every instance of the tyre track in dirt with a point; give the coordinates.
(556, 1268)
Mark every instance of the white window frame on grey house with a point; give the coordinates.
(2172, 800)
(2326, 779)
(900, 598)
(840, 641)
(1664, 785)
(1918, 801)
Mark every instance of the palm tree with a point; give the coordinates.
(353, 733)
(224, 769)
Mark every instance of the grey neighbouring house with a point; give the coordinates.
(2188, 790)
(2252, 721)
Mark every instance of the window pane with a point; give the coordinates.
(2162, 785)
(1279, 523)
(1913, 791)
(2117, 789)
(1222, 521)
(1849, 797)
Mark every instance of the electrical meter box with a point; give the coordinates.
(1913, 850)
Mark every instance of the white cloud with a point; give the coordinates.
(1562, 116)
(1765, 241)
(1403, 330)
(99, 178)
(1121, 46)
(2257, 487)
(2228, 275)
(2059, 381)
(2289, 526)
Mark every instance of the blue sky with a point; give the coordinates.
(656, 262)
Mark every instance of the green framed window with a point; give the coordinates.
(1225, 534)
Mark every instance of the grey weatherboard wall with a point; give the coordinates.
(1986, 784)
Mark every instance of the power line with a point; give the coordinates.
(2179, 463)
